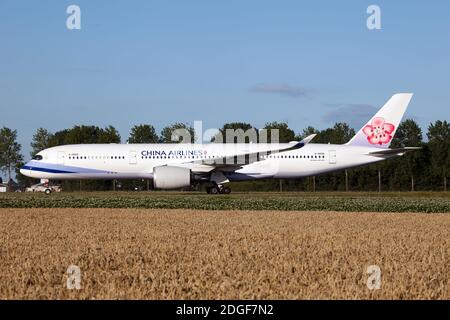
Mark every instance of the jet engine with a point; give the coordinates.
(170, 177)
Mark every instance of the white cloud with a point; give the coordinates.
(282, 89)
(356, 115)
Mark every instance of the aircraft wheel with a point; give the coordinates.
(47, 191)
(226, 190)
(213, 190)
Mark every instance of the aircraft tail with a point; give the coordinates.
(380, 130)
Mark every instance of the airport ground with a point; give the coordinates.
(127, 253)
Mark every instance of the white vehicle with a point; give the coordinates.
(172, 166)
(43, 187)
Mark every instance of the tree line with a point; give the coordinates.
(423, 170)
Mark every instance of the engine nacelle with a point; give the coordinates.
(169, 177)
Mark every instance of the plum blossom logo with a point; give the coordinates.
(379, 132)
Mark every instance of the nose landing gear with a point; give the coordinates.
(218, 189)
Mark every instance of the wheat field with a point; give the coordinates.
(188, 254)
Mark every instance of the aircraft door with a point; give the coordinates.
(61, 157)
(132, 157)
(332, 156)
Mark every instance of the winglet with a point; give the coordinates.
(308, 138)
(301, 144)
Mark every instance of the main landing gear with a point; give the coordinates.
(218, 189)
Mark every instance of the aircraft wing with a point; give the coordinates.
(388, 152)
(236, 161)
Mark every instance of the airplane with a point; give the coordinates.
(174, 166)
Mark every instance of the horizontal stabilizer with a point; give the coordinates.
(386, 152)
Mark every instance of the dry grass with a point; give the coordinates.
(185, 254)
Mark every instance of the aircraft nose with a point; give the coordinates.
(25, 169)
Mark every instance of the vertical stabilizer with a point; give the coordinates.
(380, 130)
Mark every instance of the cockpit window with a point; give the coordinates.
(37, 157)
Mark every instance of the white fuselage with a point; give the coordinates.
(179, 165)
(137, 161)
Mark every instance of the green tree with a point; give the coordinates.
(307, 132)
(339, 134)
(180, 132)
(42, 139)
(85, 134)
(409, 134)
(10, 156)
(238, 132)
(285, 134)
(59, 138)
(108, 135)
(439, 143)
(342, 133)
(82, 134)
(143, 133)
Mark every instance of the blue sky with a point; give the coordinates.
(159, 62)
